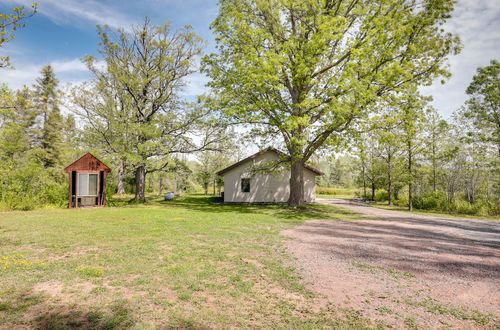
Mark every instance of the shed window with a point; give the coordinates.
(245, 185)
(87, 184)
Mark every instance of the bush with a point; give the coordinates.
(431, 201)
(438, 201)
(479, 208)
(381, 196)
(402, 201)
(31, 187)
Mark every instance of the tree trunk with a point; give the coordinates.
(373, 190)
(363, 174)
(296, 183)
(364, 189)
(410, 173)
(389, 179)
(410, 197)
(140, 183)
(389, 188)
(121, 176)
(214, 186)
(160, 185)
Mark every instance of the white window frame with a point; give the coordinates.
(88, 181)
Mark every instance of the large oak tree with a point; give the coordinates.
(134, 106)
(305, 70)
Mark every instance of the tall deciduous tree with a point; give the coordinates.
(304, 70)
(437, 128)
(137, 95)
(411, 107)
(483, 107)
(389, 145)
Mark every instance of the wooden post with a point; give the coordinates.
(70, 202)
(104, 189)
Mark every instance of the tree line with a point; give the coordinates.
(305, 76)
(413, 157)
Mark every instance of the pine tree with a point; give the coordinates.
(46, 91)
(52, 122)
(52, 138)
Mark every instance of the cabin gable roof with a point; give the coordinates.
(87, 163)
(263, 151)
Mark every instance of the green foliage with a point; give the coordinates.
(32, 152)
(435, 200)
(30, 186)
(482, 108)
(381, 195)
(306, 77)
(132, 107)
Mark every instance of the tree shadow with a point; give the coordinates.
(70, 318)
(418, 250)
(24, 307)
(280, 210)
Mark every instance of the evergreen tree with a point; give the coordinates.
(46, 92)
(52, 139)
(47, 98)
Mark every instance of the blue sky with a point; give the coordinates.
(63, 31)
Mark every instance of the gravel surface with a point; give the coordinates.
(403, 269)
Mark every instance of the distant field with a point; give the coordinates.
(187, 263)
(344, 193)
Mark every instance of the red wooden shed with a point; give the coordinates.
(87, 181)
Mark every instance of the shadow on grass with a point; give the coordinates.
(20, 307)
(211, 204)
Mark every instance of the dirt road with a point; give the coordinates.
(403, 269)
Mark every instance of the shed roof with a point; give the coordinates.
(263, 151)
(87, 163)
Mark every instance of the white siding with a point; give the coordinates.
(264, 187)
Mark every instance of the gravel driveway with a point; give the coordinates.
(403, 269)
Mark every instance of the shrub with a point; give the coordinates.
(479, 208)
(431, 201)
(381, 195)
(31, 187)
(402, 201)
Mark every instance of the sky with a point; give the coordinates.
(64, 31)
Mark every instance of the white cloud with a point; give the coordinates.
(66, 11)
(67, 71)
(477, 23)
(195, 85)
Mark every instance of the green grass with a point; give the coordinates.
(186, 263)
(435, 307)
(342, 193)
(384, 205)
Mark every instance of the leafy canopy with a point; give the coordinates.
(305, 70)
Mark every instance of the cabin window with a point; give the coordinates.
(245, 185)
(87, 184)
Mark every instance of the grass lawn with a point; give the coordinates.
(186, 263)
(336, 196)
(384, 205)
(342, 193)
